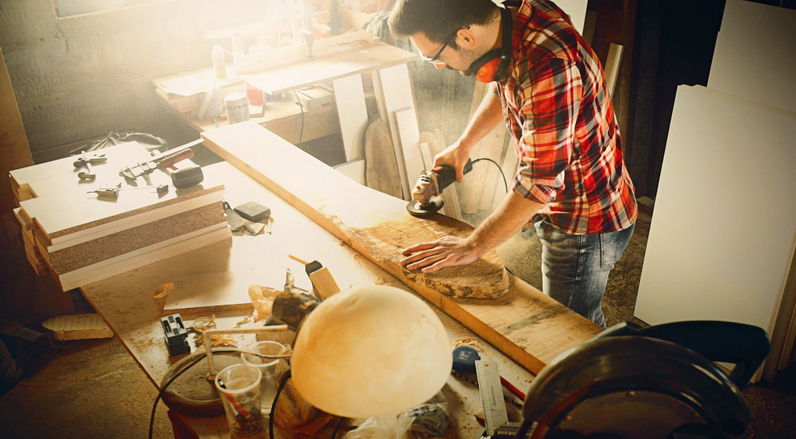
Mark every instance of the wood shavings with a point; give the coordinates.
(216, 341)
(467, 341)
(164, 290)
(263, 300)
(381, 281)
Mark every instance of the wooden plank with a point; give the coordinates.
(497, 145)
(355, 170)
(612, 63)
(353, 115)
(696, 272)
(133, 238)
(382, 172)
(525, 324)
(576, 9)
(393, 91)
(256, 63)
(325, 68)
(473, 184)
(144, 256)
(409, 135)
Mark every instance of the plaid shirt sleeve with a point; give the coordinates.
(548, 111)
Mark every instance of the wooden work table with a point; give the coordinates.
(126, 301)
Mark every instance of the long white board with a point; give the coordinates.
(722, 233)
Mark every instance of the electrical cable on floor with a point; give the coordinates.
(505, 182)
(163, 390)
(301, 132)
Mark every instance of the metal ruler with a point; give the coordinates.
(495, 413)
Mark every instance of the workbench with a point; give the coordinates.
(126, 301)
(356, 66)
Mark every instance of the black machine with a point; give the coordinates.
(656, 382)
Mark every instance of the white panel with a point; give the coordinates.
(393, 90)
(576, 9)
(353, 115)
(355, 170)
(725, 213)
(406, 121)
(755, 54)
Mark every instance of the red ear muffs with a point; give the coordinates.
(486, 67)
(494, 65)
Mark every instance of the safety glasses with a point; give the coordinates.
(435, 59)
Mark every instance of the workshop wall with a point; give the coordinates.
(79, 78)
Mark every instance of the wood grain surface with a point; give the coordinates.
(516, 318)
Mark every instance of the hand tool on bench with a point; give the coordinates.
(112, 192)
(323, 284)
(426, 200)
(85, 161)
(184, 177)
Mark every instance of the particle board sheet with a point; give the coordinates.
(721, 239)
(755, 54)
(522, 322)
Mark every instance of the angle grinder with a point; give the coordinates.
(425, 195)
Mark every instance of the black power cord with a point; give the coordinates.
(166, 386)
(505, 183)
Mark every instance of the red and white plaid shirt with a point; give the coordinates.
(556, 105)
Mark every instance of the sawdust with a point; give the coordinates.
(467, 341)
(201, 324)
(263, 300)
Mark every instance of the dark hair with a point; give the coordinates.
(439, 19)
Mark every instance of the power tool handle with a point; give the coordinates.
(446, 174)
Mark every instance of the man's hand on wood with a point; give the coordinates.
(447, 251)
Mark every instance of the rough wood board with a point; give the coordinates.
(381, 167)
(77, 327)
(115, 244)
(143, 256)
(525, 324)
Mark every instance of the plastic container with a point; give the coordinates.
(219, 63)
(268, 369)
(237, 105)
(238, 50)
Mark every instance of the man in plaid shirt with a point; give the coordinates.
(571, 185)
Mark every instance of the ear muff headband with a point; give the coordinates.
(494, 65)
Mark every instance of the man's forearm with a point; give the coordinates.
(488, 116)
(513, 213)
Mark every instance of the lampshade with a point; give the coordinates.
(371, 351)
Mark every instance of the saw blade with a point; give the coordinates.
(495, 413)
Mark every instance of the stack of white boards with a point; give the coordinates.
(80, 236)
(721, 242)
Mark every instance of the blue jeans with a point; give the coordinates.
(575, 267)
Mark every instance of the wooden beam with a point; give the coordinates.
(526, 325)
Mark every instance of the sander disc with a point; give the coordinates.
(425, 210)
